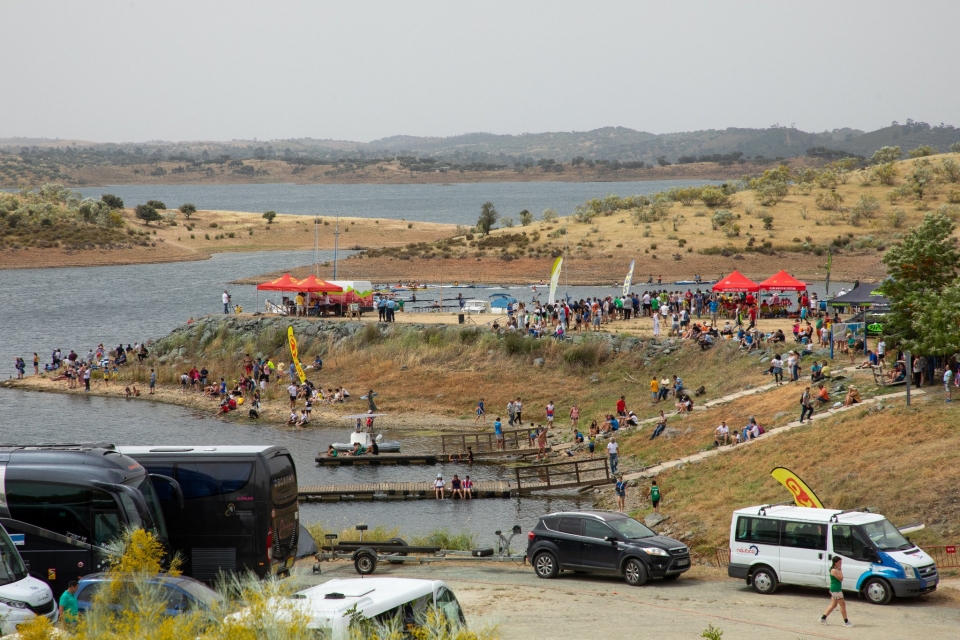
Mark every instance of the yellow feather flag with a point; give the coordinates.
(295, 355)
(802, 494)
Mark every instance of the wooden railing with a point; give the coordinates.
(482, 442)
(560, 475)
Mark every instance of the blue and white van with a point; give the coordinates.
(22, 597)
(772, 545)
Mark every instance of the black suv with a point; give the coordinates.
(604, 542)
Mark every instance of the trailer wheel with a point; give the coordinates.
(400, 542)
(365, 561)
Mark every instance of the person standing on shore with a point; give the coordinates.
(621, 490)
(153, 381)
(226, 302)
(86, 377)
(836, 593)
(574, 417)
(36, 364)
(481, 412)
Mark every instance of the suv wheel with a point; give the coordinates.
(635, 572)
(545, 564)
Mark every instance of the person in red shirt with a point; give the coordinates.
(753, 318)
(622, 407)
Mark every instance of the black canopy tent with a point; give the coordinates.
(866, 295)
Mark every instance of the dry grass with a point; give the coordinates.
(901, 461)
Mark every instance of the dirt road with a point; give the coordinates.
(575, 606)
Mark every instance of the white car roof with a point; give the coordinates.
(372, 596)
(807, 514)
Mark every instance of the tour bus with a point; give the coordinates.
(771, 545)
(61, 503)
(228, 509)
(329, 608)
(22, 597)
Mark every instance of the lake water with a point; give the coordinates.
(454, 203)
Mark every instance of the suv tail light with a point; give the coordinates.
(270, 544)
(531, 535)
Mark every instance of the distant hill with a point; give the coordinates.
(608, 143)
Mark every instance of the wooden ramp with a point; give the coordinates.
(368, 459)
(529, 479)
(396, 491)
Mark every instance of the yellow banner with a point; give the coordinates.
(295, 355)
(555, 279)
(802, 494)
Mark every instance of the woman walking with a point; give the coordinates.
(776, 365)
(836, 593)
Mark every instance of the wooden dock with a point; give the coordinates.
(531, 479)
(346, 460)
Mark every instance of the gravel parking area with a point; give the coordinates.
(577, 606)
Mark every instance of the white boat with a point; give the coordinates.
(365, 436)
(476, 306)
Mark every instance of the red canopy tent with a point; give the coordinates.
(783, 281)
(286, 282)
(736, 282)
(313, 284)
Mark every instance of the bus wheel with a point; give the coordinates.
(365, 562)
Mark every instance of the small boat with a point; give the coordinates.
(476, 306)
(700, 282)
(365, 436)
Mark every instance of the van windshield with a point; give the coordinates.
(886, 536)
(11, 566)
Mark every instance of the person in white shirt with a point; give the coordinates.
(438, 487)
(723, 434)
(226, 301)
(881, 351)
(293, 390)
(612, 449)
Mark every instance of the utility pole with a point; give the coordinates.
(336, 245)
(909, 371)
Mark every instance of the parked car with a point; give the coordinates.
(179, 593)
(604, 542)
(774, 544)
(330, 607)
(22, 597)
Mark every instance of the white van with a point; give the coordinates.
(774, 544)
(22, 597)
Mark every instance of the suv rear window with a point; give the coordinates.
(572, 526)
(551, 523)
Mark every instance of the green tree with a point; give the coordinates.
(921, 268)
(885, 155)
(886, 173)
(188, 210)
(526, 217)
(549, 215)
(923, 151)
(269, 216)
(488, 218)
(112, 201)
(146, 213)
(955, 147)
(157, 204)
(937, 322)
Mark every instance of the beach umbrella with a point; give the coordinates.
(783, 281)
(736, 282)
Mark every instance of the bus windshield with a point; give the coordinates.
(145, 487)
(886, 536)
(11, 566)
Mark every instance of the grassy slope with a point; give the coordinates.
(902, 461)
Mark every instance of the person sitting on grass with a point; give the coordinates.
(721, 434)
(292, 420)
(751, 431)
(685, 405)
(871, 361)
(778, 336)
(853, 397)
(823, 397)
(822, 374)
(303, 419)
(661, 426)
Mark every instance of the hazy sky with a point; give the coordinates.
(172, 70)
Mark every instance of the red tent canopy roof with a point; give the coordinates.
(286, 282)
(314, 284)
(736, 282)
(783, 281)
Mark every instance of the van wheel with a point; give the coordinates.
(545, 564)
(764, 581)
(365, 563)
(635, 573)
(877, 591)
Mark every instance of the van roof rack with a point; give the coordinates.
(763, 508)
(833, 518)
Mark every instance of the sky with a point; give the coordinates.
(135, 71)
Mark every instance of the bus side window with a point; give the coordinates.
(758, 530)
(849, 542)
(63, 509)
